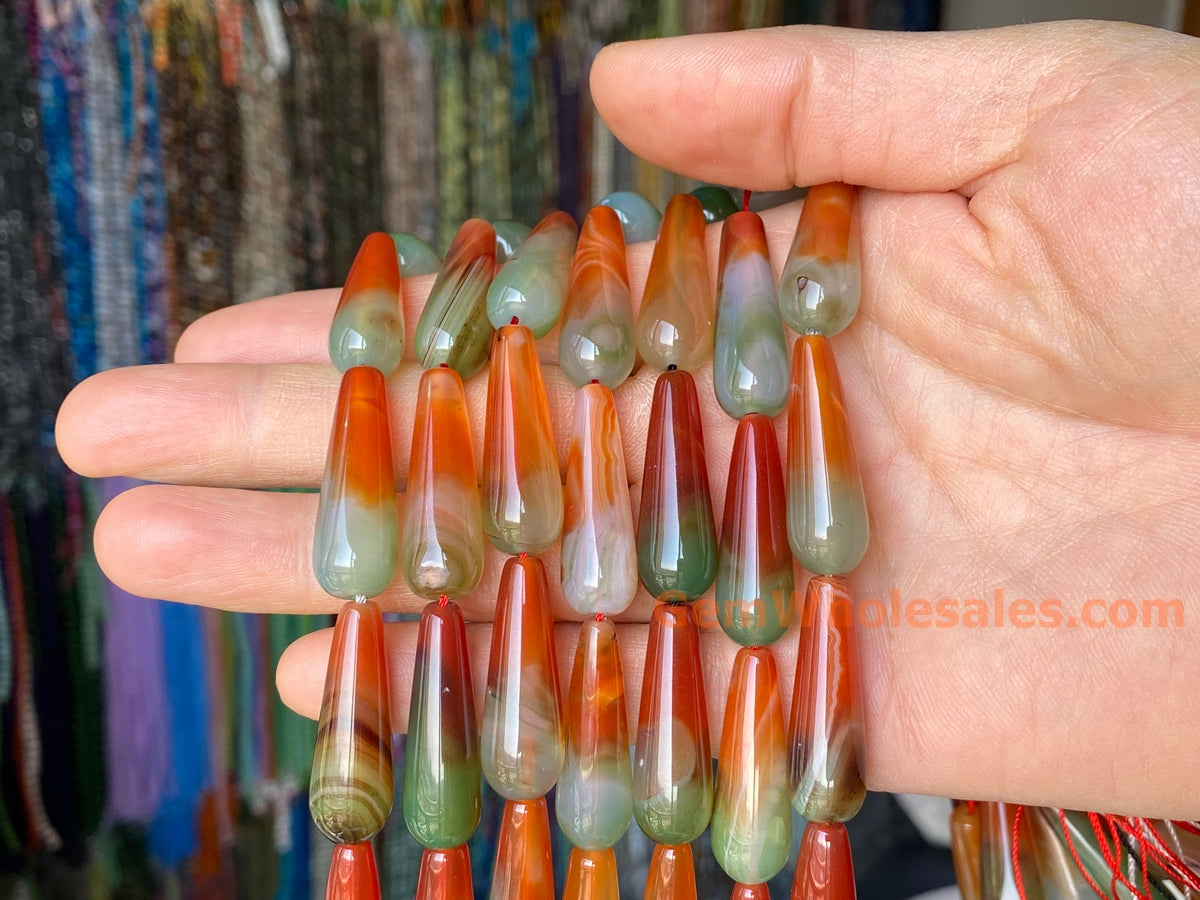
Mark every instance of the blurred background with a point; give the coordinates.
(163, 158)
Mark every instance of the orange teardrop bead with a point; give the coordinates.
(524, 869)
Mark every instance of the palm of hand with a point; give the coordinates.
(1019, 380)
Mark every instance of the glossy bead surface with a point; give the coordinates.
(1059, 876)
(532, 284)
(750, 357)
(441, 549)
(524, 868)
(824, 869)
(353, 874)
(522, 491)
(821, 286)
(591, 875)
(596, 339)
(523, 740)
(826, 725)
(445, 874)
(509, 235)
(640, 219)
(442, 772)
(599, 548)
(675, 323)
(368, 326)
(750, 892)
(965, 849)
(356, 541)
(672, 766)
(676, 537)
(454, 327)
(594, 798)
(717, 202)
(414, 256)
(755, 603)
(827, 510)
(752, 818)
(350, 794)
(672, 873)
(997, 876)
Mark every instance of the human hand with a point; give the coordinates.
(1024, 420)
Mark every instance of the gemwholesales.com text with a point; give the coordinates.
(999, 610)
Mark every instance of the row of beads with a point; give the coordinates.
(441, 552)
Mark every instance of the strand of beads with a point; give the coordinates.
(752, 821)
(677, 554)
(442, 558)
(523, 741)
(355, 551)
(594, 800)
(827, 528)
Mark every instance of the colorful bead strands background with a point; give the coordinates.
(163, 158)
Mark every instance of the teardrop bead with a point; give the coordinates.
(827, 510)
(353, 874)
(596, 339)
(750, 358)
(454, 327)
(752, 816)
(368, 327)
(599, 549)
(672, 766)
(676, 537)
(445, 874)
(356, 541)
(997, 876)
(594, 798)
(442, 769)
(821, 286)
(717, 202)
(826, 724)
(441, 551)
(524, 733)
(592, 875)
(965, 849)
(522, 490)
(414, 256)
(755, 589)
(640, 219)
(509, 235)
(750, 892)
(350, 794)
(532, 284)
(672, 874)
(675, 323)
(824, 869)
(524, 867)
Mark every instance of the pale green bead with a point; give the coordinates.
(414, 255)
(639, 217)
(368, 331)
(819, 296)
(532, 285)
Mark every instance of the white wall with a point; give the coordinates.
(987, 13)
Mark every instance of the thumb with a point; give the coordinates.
(807, 104)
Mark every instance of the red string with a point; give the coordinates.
(514, 321)
(972, 806)
(745, 201)
(1062, 819)
(599, 617)
(443, 600)
(1016, 852)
